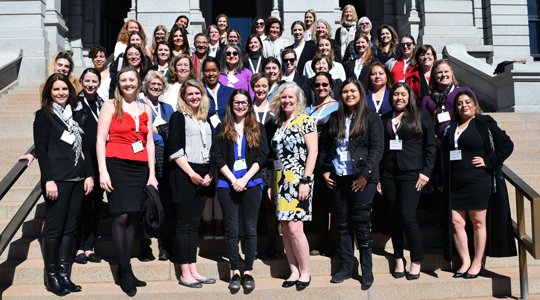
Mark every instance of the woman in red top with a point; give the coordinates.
(418, 76)
(126, 165)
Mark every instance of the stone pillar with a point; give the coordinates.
(132, 14)
(151, 13)
(196, 19)
(275, 10)
(55, 26)
(410, 22)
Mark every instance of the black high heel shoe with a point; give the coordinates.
(414, 276)
(460, 275)
(472, 276)
(400, 274)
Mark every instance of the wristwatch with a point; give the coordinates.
(305, 179)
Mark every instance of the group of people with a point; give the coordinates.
(318, 130)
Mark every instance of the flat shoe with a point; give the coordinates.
(94, 258)
(206, 281)
(249, 282)
(288, 284)
(81, 259)
(339, 277)
(303, 284)
(196, 285)
(235, 282)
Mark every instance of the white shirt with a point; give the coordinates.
(171, 95)
(298, 49)
(274, 48)
(103, 90)
(119, 48)
(337, 71)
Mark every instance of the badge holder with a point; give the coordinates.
(396, 145)
(68, 137)
(443, 117)
(345, 156)
(215, 120)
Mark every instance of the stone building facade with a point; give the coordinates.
(488, 32)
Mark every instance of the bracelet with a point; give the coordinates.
(302, 181)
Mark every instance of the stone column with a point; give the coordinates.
(275, 10)
(196, 19)
(410, 23)
(151, 13)
(132, 14)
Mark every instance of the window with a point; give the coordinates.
(534, 27)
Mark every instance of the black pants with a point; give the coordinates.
(229, 200)
(89, 217)
(402, 199)
(188, 216)
(323, 213)
(62, 213)
(353, 210)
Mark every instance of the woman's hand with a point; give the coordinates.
(196, 178)
(329, 182)
(105, 182)
(270, 194)
(359, 184)
(28, 157)
(207, 180)
(152, 181)
(422, 181)
(303, 191)
(240, 184)
(478, 161)
(88, 185)
(51, 190)
(379, 188)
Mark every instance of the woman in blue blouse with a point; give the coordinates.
(239, 151)
(378, 86)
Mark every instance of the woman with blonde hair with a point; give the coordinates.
(190, 140)
(310, 19)
(123, 36)
(347, 32)
(180, 69)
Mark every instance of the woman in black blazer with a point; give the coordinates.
(359, 67)
(350, 154)
(473, 150)
(290, 72)
(407, 163)
(309, 50)
(66, 176)
(239, 150)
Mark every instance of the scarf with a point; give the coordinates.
(347, 36)
(439, 97)
(67, 116)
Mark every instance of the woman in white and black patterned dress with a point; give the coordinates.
(295, 145)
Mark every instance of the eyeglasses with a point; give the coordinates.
(233, 37)
(426, 55)
(259, 24)
(289, 60)
(229, 53)
(408, 44)
(324, 84)
(364, 23)
(201, 43)
(160, 34)
(243, 103)
(156, 84)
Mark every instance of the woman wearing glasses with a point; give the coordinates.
(201, 50)
(418, 76)
(233, 74)
(398, 65)
(160, 35)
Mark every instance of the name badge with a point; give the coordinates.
(240, 165)
(205, 153)
(455, 155)
(443, 117)
(67, 137)
(232, 79)
(137, 146)
(159, 121)
(215, 120)
(345, 156)
(396, 145)
(278, 165)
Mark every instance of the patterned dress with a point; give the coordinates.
(291, 149)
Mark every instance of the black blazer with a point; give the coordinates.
(308, 53)
(310, 94)
(298, 78)
(418, 153)
(89, 125)
(222, 152)
(349, 69)
(366, 149)
(56, 158)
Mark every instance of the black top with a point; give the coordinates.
(308, 53)
(418, 150)
(270, 128)
(219, 51)
(56, 158)
(89, 125)
(254, 58)
(349, 69)
(383, 57)
(222, 152)
(366, 149)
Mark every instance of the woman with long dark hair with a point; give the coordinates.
(179, 41)
(162, 57)
(239, 151)
(66, 176)
(378, 86)
(253, 54)
(350, 152)
(407, 163)
(398, 65)
(386, 43)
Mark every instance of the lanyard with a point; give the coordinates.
(457, 134)
(394, 125)
(136, 117)
(156, 111)
(282, 131)
(98, 108)
(405, 65)
(213, 53)
(214, 95)
(265, 111)
(239, 139)
(376, 103)
(201, 131)
(323, 106)
(358, 67)
(258, 65)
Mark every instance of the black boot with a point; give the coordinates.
(50, 258)
(137, 282)
(366, 263)
(65, 252)
(126, 280)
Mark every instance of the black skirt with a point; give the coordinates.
(128, 179)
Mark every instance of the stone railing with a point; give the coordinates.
(10, 64)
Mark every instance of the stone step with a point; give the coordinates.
(6, 166)
(524, 168)
(26, 179)
(519, 125)
(8, 210)
(511, 116)
(18, 194)
(13, 155)
(22, 109)
(19, 115)
(518, 135)
(526, 155)
(16, 123)
(525, 144)
(430, 285)
(16, 133)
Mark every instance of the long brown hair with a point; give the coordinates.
(119, 98)
(358, 124)
(369, 54)
(251, 126)
(389, 77)
(411, 114)
(46, 98)
(123, 35)
(455, 114)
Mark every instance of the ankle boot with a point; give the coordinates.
(50, 258)
(65, 252)
(366, 263)
(136, 281)
(126, 280)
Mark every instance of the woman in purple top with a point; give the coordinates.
(233, 74)
(444, 88)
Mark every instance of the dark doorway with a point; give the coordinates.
(113, 14)
(359, 5)
(240, 14)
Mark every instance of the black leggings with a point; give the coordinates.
(251, 201)
(402, 199)
(188, 215)
(89, 218)
(62, 213)
(123, 233)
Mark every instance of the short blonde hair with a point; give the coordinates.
(275, 102)
(151, 75)
(183, 107)
(355, 16)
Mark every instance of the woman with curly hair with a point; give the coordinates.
(123, 36)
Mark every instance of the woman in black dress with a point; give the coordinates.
(469, 160)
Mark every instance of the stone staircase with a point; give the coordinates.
(21, 264)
